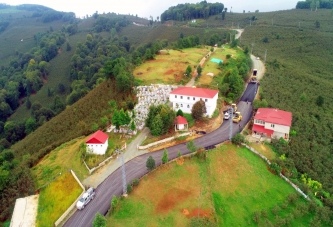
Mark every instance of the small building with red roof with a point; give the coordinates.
(181, 124)
(272, 123)
(184, 98)
(97, 143)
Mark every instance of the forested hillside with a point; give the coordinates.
(299, 79)
(57, 82)
(187, 11)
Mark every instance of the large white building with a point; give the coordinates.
(184, 98)
(97, 143)
(272, 123)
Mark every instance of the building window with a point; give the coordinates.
(175, 96)
(188, 106)
(188, 98)
(181, 105)
(272, 125)
(181, 97)
(206, 100)
(193, 98)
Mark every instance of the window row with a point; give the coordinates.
(188, 98)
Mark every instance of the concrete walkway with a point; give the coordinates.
(131, 152)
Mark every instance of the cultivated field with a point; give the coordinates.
(228, 189)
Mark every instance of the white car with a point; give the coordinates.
(85, 199)
(258, 58)
(226, 115)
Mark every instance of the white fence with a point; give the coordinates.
(281, 175)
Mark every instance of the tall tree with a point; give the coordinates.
(198, 110)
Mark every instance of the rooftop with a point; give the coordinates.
(98, 137)
(275, 116)
(196, 92)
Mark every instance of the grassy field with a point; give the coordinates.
(67, 156)
(60, 160)
(229, 188)
(169, 68)
(55, 199)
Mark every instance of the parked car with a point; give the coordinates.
(226, 115)
(85, 199)
(258, 58)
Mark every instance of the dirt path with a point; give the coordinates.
(195, 73)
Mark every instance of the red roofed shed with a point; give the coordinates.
(97, 143)
(181, 123)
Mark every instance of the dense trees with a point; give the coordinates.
(187, 11)
(160, 119)
(314, 4)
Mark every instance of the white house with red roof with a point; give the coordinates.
(181, 124)
(97, 143)
(272, 123)
(184, 98)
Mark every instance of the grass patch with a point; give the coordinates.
(55, 199)
(229, 187)
(264, 149)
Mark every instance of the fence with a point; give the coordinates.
(162, 141)
(66, 215)
(102, 163)
(281, 175)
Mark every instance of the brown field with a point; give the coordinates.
(169, 67)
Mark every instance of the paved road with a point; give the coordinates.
(258, 64)
(136, 167)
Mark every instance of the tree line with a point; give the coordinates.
(187, 11)
(315, 4)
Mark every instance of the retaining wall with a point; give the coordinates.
(162, 141)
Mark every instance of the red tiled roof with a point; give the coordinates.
(275, 116)
(98, 137)
(196, 92)
(180, 120)
(261, 128)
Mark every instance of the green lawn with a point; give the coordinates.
(229, 188)
(55, 199)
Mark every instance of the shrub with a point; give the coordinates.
(238, 139)
(150, 164)
(129, 188)
(275, 167)
(135, 182)
(114, 203)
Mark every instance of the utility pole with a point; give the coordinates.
(252, 47)
(265, 55)
(123, 174)
(272, 22)
(230, 119)
(238, 26)
(250, 22)
(299, 25)
(232, 25)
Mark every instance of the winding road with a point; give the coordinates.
(136, 167)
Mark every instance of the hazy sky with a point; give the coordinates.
(145, 8)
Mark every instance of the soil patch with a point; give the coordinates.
(200, 213)
(171, 199)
